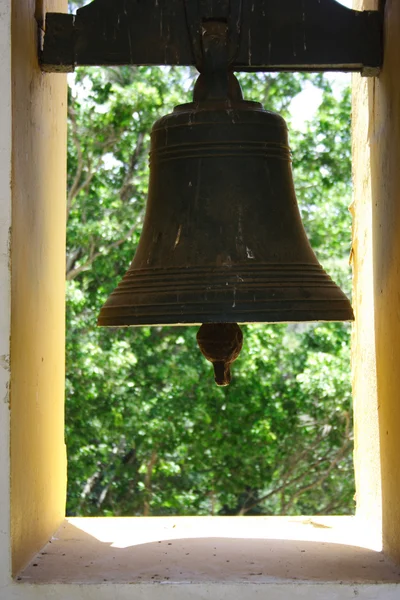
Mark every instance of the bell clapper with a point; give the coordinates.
(221, 344)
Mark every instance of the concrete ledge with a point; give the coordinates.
(168, 553)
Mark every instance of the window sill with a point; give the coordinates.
(212, 551)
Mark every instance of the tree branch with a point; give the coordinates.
(287, 483)
(78, 185)
(87, 489)
(126, 188)
(321, 479)
(79, 154)
(74, 272)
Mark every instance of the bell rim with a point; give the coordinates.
(344, 316)
(265, 294)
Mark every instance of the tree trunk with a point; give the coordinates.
(147, 483)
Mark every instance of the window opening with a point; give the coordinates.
(147, 431)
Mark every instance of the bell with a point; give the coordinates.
(222, 239)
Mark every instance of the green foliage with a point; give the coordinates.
(147, 430)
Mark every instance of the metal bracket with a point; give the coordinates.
(284, 35)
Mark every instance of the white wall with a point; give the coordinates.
(5, 286)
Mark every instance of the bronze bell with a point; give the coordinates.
(222, 239)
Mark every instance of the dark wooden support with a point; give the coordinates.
(275, 35)
(58, 54)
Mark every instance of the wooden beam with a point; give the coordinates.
(289, 35)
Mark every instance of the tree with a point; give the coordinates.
(147, 431)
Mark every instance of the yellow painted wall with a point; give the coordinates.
(365, 398)
(377, 128)
(38, 458)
